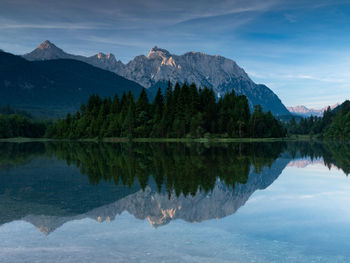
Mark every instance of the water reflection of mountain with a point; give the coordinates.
(160, 209)
(222, 201)
(50, 184)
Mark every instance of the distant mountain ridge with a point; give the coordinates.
(159, 66)
(49, 51)
(306, 112)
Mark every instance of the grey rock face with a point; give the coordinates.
(159, 66)
(192, 67)
(105, 61)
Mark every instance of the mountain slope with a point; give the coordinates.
(159, 66)
(56, 83)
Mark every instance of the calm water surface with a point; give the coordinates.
(252, 202)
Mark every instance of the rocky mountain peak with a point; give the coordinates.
(158, 52)
(46, 51)
(100, 55)
(109, 56)
(47, 45)
(104, 61)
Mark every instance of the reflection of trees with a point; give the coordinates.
(12, 154)
(333, 152)
(184, 168)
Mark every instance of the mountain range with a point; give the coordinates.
(160, 66)
(306, 112)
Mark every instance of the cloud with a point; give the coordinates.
(290, 18)
(135, 13)
(66, 26)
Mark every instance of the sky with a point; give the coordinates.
(300, 49)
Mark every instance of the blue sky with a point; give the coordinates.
(300, 49)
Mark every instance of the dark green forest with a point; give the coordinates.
(19, 125)
(184, 111)
(8, 110)
(335, 124)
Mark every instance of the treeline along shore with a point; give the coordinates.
(182, 112)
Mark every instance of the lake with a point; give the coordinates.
(175, 202)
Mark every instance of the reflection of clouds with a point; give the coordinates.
(294, 197)
(310, 186)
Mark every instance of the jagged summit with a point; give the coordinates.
(47, 44)
(46, 51)
(158, 51)
(104, 61)
(101, 55)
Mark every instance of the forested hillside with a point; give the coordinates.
(15, 125)
(60, 84)
(18, 123)
(335, 124)
(339, 124)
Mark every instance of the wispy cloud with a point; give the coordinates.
(65, 26)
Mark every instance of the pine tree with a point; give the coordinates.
(129, 122)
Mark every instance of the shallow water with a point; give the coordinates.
(252, 202)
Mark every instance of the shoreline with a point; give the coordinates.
(162, 140)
